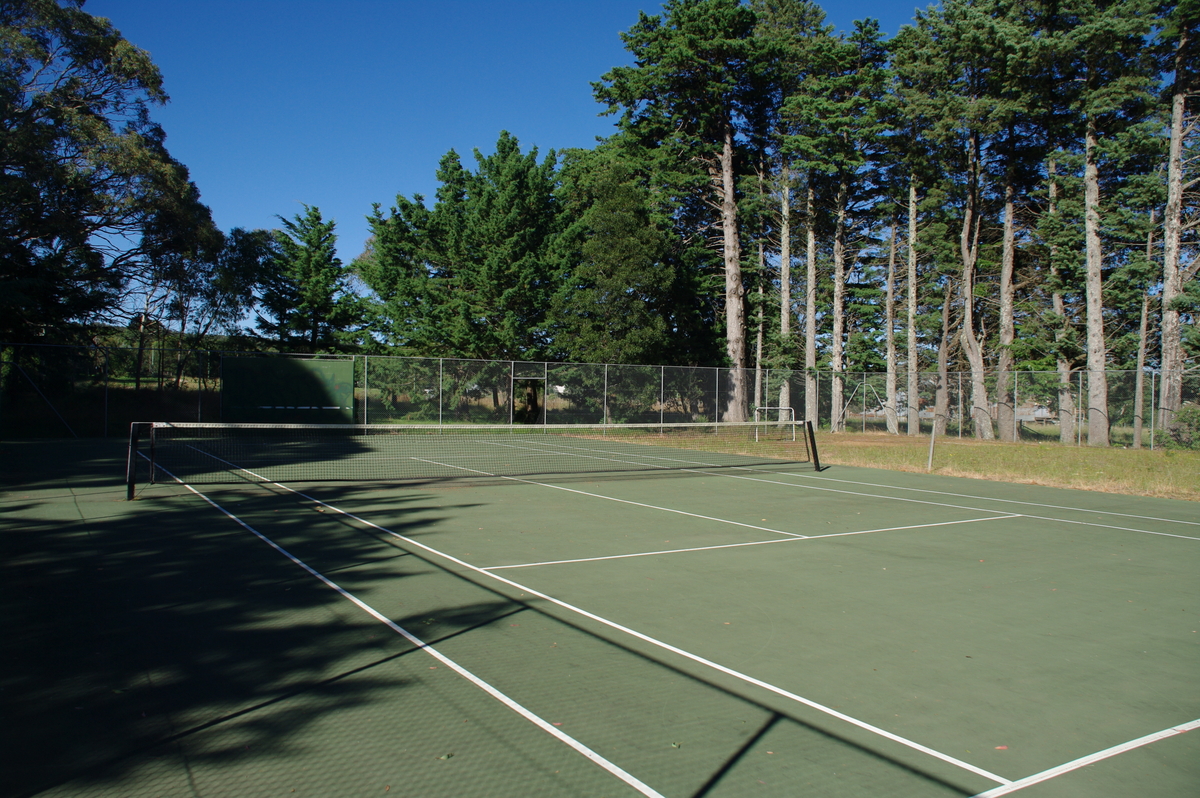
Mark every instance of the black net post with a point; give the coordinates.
(153, 460)
(135, 434)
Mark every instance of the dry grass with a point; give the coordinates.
(1140, 472)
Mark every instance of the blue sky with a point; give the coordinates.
(343, 103)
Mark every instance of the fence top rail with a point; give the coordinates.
(1186, 370)
(202, 425)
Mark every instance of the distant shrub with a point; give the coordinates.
(1184, 429)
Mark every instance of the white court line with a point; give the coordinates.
(542, 724)
(917, 490)
(1090, 759)
(874, 495)
(986, 498)
(644, 637)
(740, 545)
(831, 490)
(612, 499)
(727, 476)
(638, 554)
(955, 506)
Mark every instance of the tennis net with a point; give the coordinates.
(199, 453)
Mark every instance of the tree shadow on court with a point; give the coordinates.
(129, 627)
(133, 627)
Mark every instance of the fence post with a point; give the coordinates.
(199, 393)
(365, 385)
(1016, 403)
(604, 398)
(1078, 425)
(441, 373)
(106, 393)
(662, 395)
(960, 415)
(1153, 374)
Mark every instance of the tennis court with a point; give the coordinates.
(700, 625)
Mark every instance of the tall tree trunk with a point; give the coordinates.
(981, 417)
(1005, 401)
(785, 289)
(735, 294)
(1139, 379)
(914, 403)
(811, 404)
(941, 398)
(893, 422)
(762, 321)
(1066, 390)
(1171, 390)
(1097, 394)
(837, 350)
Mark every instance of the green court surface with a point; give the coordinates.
(763, 630)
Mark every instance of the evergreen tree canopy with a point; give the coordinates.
(474, 275)
(306, 291)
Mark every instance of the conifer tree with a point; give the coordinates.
(306, 292)
(695, 88)
(473, 276)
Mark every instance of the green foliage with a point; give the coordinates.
(305, 289)
(474, 275)
(1184, 429)
(614, 304)
(83, 170)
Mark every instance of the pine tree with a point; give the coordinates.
(306, 293)
(696, 87)
(473, 276)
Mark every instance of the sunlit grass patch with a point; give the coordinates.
(1142, 472)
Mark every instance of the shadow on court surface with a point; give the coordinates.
(132, 628)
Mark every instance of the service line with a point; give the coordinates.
(741, 545)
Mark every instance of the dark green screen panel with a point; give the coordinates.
(287, 390)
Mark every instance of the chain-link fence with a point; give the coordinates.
(64, 391)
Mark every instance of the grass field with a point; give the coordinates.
(1140, 472)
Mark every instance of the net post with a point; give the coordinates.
(812, 444)
(153, 460)
(135, 430)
